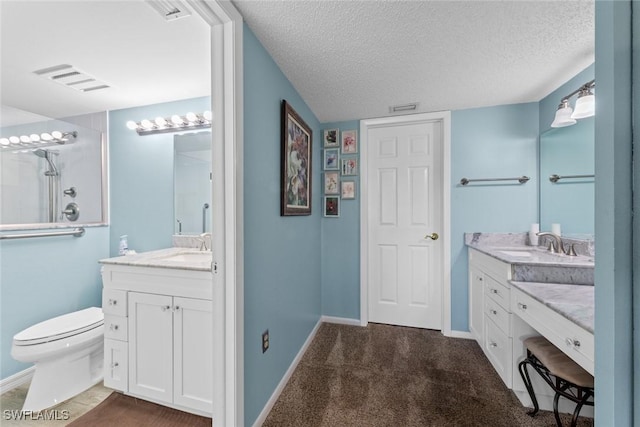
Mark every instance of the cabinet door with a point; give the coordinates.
(476, 304)
(193, 353)
(150, 345)
(115, 364)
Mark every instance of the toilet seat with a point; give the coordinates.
(60, 327)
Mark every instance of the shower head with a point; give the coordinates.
(47, 154)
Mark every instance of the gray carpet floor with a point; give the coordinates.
(385, 375)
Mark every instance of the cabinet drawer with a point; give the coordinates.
(497, 292)
(574, 341)
(115, 327)
(493, 311)
(114, 301)
(116, 368)
(498, 269)
(498, 349)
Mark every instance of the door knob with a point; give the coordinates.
(432, 236)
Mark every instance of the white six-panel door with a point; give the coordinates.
(405, 209)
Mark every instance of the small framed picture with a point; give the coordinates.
(348, 189)
(332, 206)
(331, 159)
(349, 142)
(331, 139)
(350, 166)
(331, 180)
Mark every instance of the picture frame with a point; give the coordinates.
(331, 159)
(349, 142)
(331, 206)
(331, 138)
(348, 190)
(332, 183)
(350, 166)
(296, 161)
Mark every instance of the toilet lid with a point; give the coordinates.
(61, 327)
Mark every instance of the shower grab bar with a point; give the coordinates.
(520, 179)
(556, 178)
(204, 217)
(77, 232)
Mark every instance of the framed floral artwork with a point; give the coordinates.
(350, 166)
(331, 182)
(295, 191)
(332, 206)
(331, 138)
(331, 159)
(348, 189)
(349, 142)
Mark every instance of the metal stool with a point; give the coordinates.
(564, 376)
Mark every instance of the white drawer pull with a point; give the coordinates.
(494, 291)
(480, 279)
(114, 327)
(494, 312)
(522, 306)
(115, 365)
(493, 345)
(165, 307)
(572, 342)
(113, 302)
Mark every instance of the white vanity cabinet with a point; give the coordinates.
(489, 311)
(159, 335)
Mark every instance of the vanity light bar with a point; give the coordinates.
(37, 140)
(175, 123)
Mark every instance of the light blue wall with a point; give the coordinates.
(46, 277)
(614, 233)
(341, 249)
(492, 142)
(141, 180)
(282, 281)
(636, 225)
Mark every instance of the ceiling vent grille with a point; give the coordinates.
(170, 10)
(405, 108)
(69, 76)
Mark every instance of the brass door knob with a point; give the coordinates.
(432, 236)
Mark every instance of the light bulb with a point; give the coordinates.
(160, 121)
(56, 134)
(192, 117)
(146, 124)
(14, 140)
(46, 136)
(4, 141)
(132, 125)
(177, 120)
(208, 115)
(25, 139)
(34, 137)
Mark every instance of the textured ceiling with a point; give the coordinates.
(354, 59)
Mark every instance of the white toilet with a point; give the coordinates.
(68, 352)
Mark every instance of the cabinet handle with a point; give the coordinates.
(114, 327)
(480, 279)
(176, 308)
(165, 307)
(522, 306)
(115, 364)
(113, 302)
(572, 342)
(494, 291)
(493, 312)
(493, 345)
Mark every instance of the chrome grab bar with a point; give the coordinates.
(556, 177)
(77, 232)
(521, 180)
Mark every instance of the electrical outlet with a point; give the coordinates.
(265, 341)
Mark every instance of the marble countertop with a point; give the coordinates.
(575, 302)
(532, 255)
(162, 258)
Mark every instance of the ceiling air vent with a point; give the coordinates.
(170, 10)
(69, 76)
(405, 108)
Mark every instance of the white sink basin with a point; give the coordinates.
(523, 254)
(188, 257)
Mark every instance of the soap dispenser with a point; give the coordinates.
(124, 245)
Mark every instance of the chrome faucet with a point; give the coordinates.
(555, 245)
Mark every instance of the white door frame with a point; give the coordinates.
(227, 210)
(365, 125)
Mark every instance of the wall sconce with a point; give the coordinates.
(37, 140)
(175, 123)
(585, 106)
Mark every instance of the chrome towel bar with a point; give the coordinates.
(556, 178)
(77, 232)
(521, 180)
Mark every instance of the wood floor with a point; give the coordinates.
(60, 415)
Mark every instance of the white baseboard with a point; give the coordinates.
(283, 382)
(340, 320)
(460, 334)
(16, 380)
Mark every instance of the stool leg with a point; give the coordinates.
(555, 409)
(574, 420)
(522, 367)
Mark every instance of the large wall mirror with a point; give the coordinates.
(52, 172)
(567, 190)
